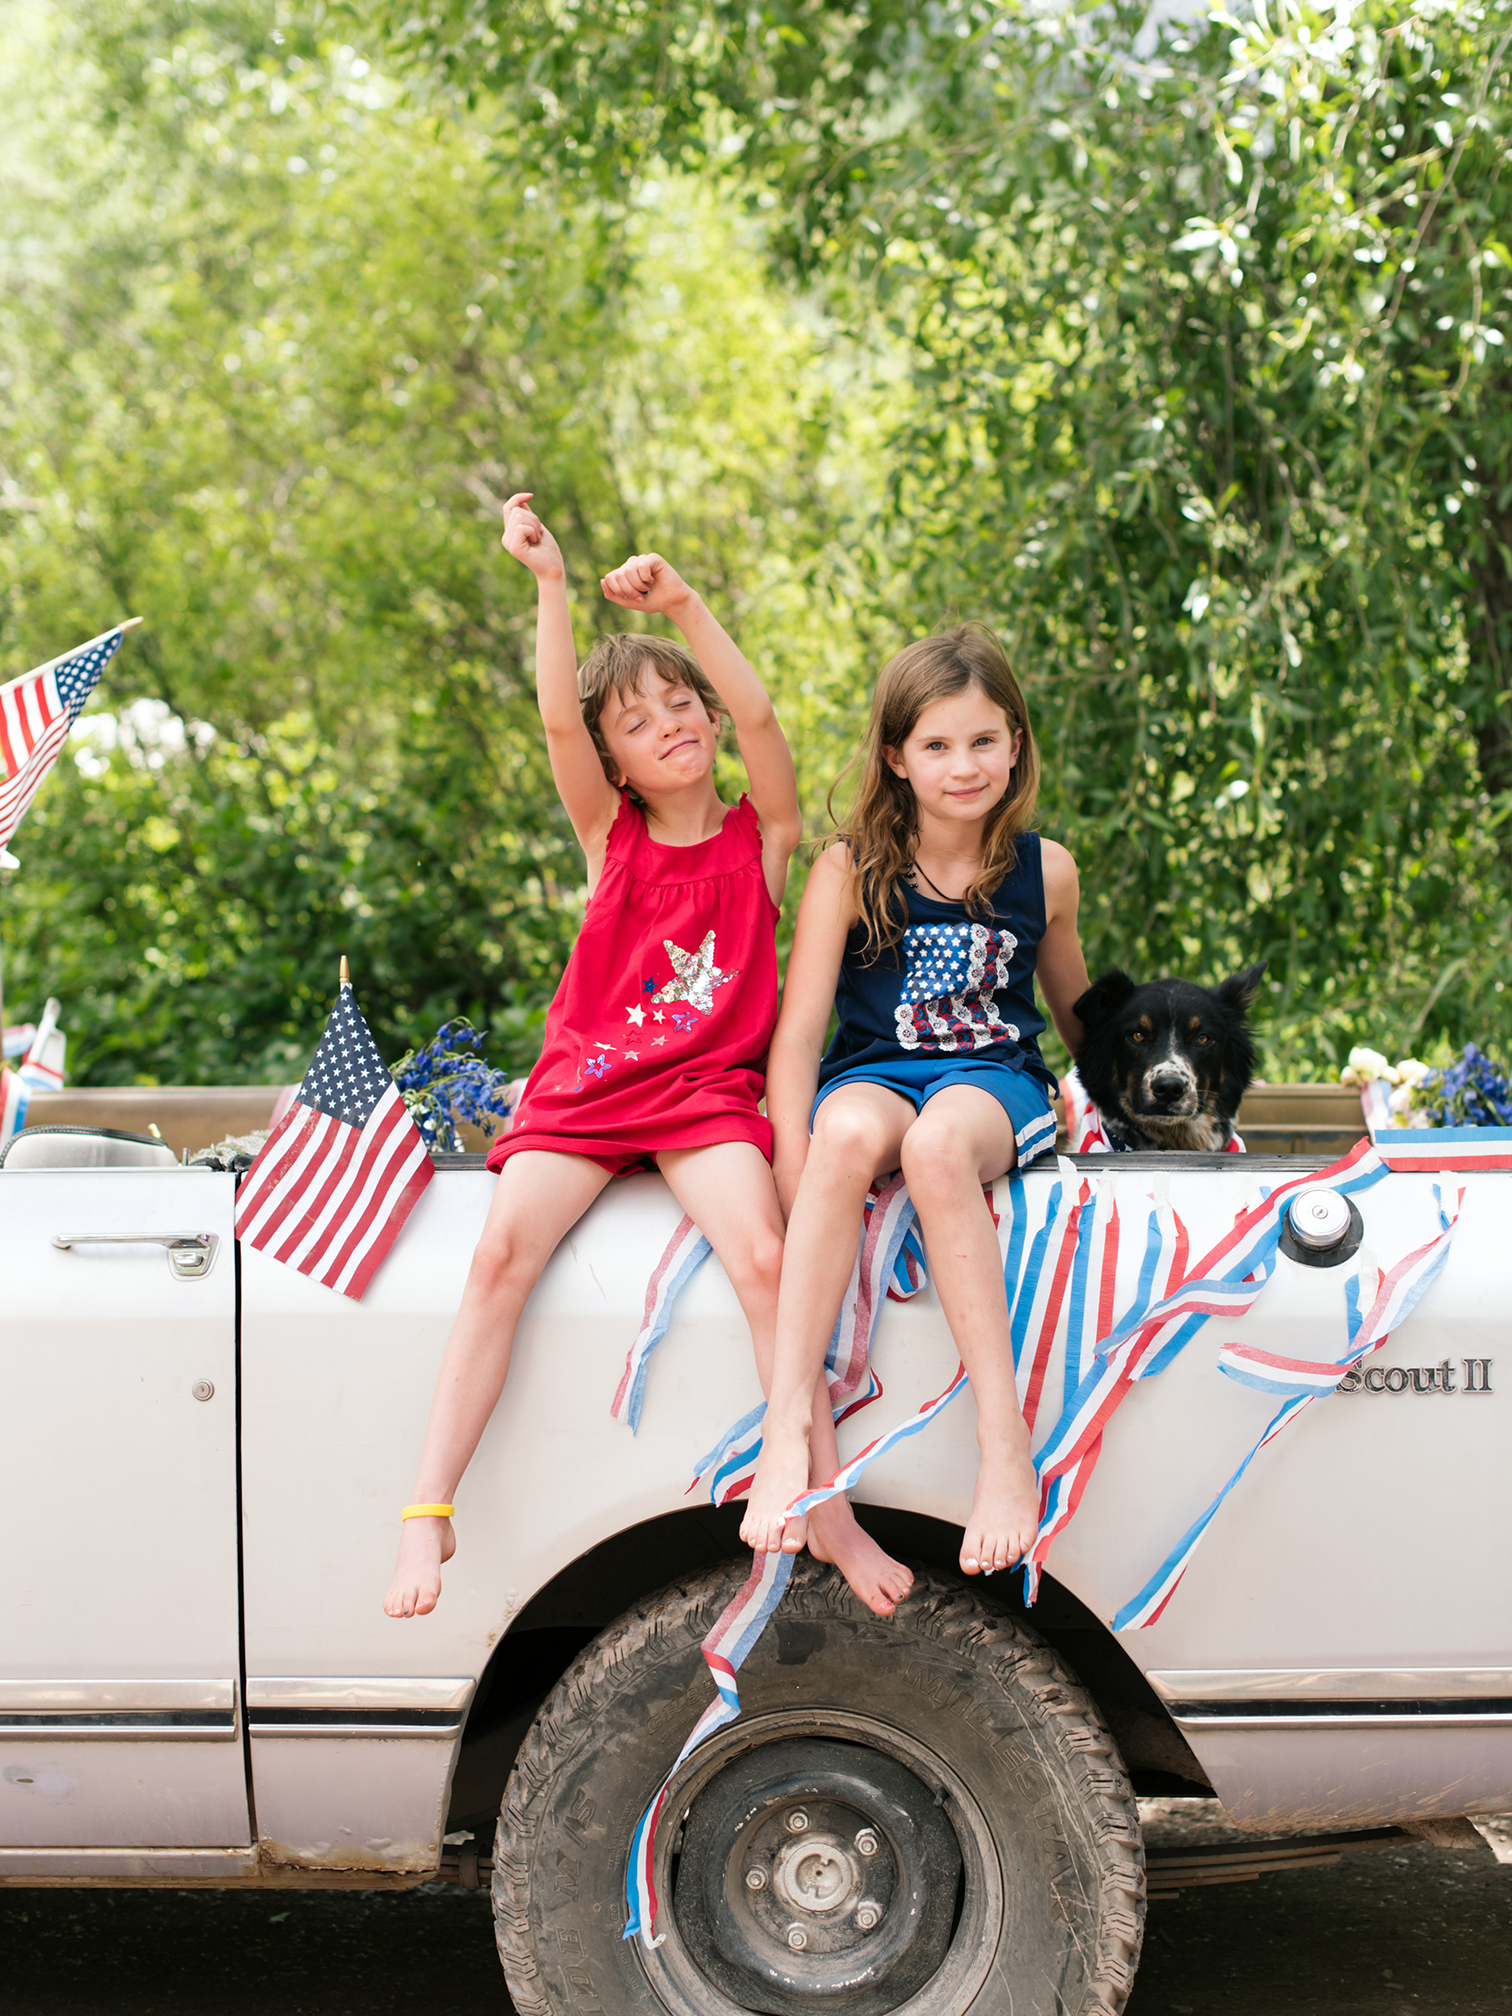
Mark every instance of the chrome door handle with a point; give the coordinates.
(191, 1255)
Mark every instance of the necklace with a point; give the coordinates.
(935, 885)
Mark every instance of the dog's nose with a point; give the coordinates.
(1167, 1084)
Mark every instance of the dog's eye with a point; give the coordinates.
(1204, 1039)
(1137, 1036)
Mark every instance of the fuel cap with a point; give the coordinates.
(1319, 1219)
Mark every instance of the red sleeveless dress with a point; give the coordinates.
(657, 1036)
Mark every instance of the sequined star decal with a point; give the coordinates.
(696, 975)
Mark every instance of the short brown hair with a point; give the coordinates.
(618, 664)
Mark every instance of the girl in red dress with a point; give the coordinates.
(656, 1041)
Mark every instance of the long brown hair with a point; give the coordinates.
(882, 829)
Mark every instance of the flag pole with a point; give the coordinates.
(8, 866)
(346, 972)
(130, 623)
(8, 863)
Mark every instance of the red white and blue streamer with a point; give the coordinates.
(725, 1650)
(1224, 1282)
(686, 1252)
(1022, 1260)
(889, 1264)
(1300, 1381)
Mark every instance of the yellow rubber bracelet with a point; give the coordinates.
(427, 1512)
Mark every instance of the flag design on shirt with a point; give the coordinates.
(953, 972)
(336, 1179)
(36, 712)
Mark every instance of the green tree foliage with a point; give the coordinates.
(274, 345)
(1206, 409)
(1177, 355)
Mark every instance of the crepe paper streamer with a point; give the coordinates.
(1022, 1262)
(1224, 1282)
(1042, 1305)
(1090, 1330)
(1375, 1106)
(1300, 1381)
(1085, 1132)
(889, 1264)
(850, 1473)
(1092, 1278)
(1430, 1150)
(888, 1221)
(725, 1650)
(686, 1252)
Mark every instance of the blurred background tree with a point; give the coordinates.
(274, 346)
(1173, 349)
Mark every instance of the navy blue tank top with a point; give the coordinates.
(955, 985)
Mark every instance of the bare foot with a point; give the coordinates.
(782, 1474)
(424, 1544)
(1004, 1514)
(835, 1535)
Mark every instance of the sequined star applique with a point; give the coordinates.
(637, 1015)
(696, 975)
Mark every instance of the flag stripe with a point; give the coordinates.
(397, 1206)
(388, 1156)
(328, 1195)
(342, 1193)
(275, 1158)
(325, 1151)
(36, 712)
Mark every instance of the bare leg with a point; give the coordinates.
(857, 1133)
(539, 1198)
(727, 1190)
(729, 1193)
(961, 1140)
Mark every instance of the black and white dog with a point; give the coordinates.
(1167, 1063)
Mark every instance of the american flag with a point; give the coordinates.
(36, 712)
(334, 1182)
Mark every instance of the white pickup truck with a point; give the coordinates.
(204, 1455)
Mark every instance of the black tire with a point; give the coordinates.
(944, 1709)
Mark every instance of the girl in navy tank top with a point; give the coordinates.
(925, 927)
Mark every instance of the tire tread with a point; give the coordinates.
(595, 1687)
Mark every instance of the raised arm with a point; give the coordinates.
(825, 917)
(1060, 965)
(647, 581)
(588, 797)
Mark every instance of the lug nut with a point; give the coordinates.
(755, 1879)
(797, 1821)
(797, 1938)
(866, 1842)
(868, 1917)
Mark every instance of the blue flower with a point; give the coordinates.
(1472, 1093)
(445, 1082)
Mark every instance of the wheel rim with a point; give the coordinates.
(850, 1871)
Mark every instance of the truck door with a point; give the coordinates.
(120, 1720)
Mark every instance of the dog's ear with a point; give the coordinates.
(1240, 989)
(1104, 997)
